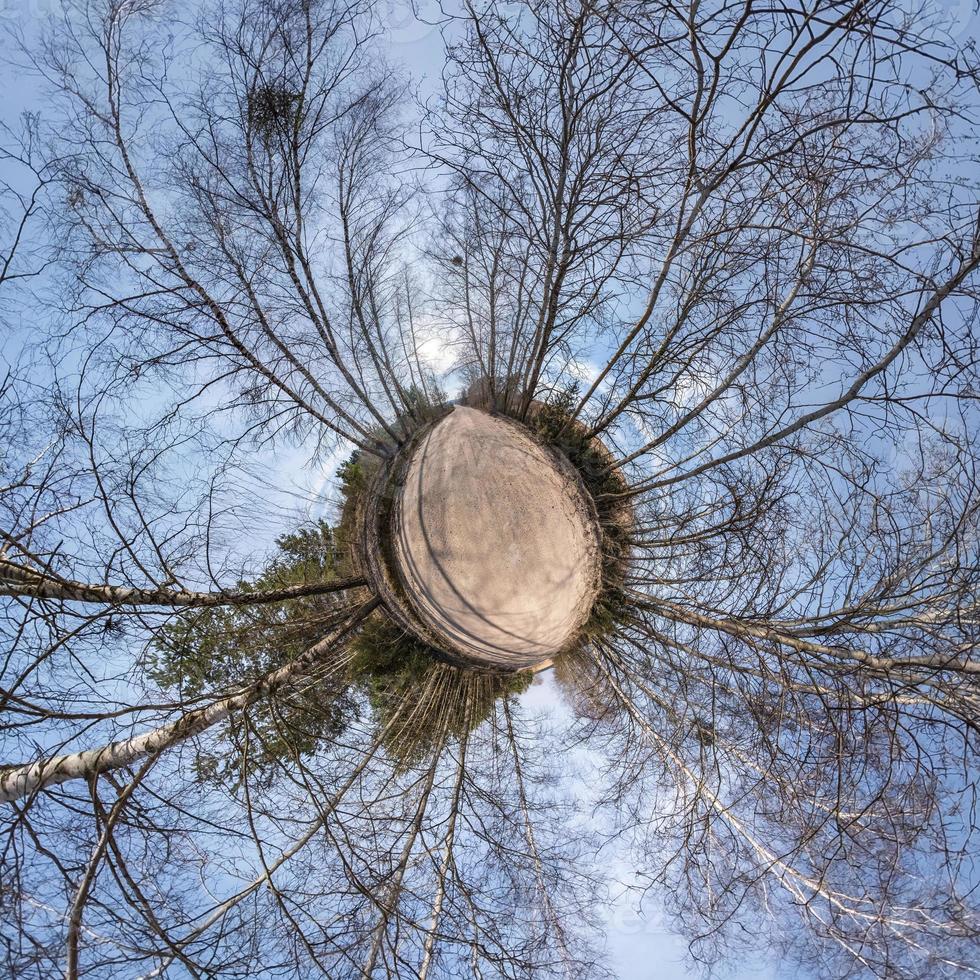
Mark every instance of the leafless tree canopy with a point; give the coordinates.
(736, 245)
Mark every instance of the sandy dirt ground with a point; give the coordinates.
(494, 543)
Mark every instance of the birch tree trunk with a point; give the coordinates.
(394, 888)
(15, 579)
(447, 859)
(21, 780)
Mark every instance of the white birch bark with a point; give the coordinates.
(17, 580)
(18, 781)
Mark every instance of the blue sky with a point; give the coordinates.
(642, 946)
(641, 943)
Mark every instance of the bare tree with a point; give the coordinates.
(723, 258)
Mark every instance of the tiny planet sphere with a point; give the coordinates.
(494, 542)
